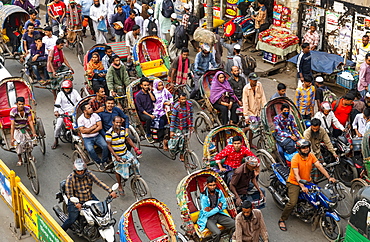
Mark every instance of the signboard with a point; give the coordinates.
(5, 190)
(231, 8)
(30, 216)
(46, 234)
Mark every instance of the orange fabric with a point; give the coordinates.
(304, 167)
(342, 113)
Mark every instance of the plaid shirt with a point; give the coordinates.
(233, 158)
(305, 100)
(82, 188)
(95, 104)
(311, 38)
(285, 127)
(181, 118)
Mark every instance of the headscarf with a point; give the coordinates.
(91, 66)
(218, 88)
(161, 97)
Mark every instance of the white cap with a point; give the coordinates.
(187, 6)
(319, 79)
(174, 15)
(150, 11)
(237, 47)
(368, 94)
(206, 47)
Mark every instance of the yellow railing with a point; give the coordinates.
(28, 212)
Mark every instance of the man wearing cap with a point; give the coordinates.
(147, 21)
(172, 49)
(253, 100)
(98, 12)
(117, 21)
(49, 39)
(164, 23)
(364, 76)
(185, 23)
(312, 37)
(305, 98)
(237, 59)
(320, 89)
(230, 50)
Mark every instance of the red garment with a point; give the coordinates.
(57, 9)
(233, 158)
(342, 113)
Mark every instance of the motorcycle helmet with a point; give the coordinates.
(67, 84)
(325, 106)
(301, 144)
(79, 165)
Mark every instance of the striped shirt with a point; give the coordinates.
(20, 122)
(117, 140)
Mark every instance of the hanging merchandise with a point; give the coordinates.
(282, 16)
(231, 8)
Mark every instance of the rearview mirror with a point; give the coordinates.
(115, 186)
(74, 200)
(57, 105)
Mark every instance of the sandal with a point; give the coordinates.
(19, 163)
(282, 228)
(121, 193)
(54, 146)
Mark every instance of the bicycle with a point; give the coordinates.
(78, 44)
(29, 161)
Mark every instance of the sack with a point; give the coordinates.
(180, 38)
(167, 8)
(193, 24)
(102, 26)
(152, 27)
(328, 95)
(238, 34)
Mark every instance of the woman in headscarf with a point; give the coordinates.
(223, 98)
(96, 73)
(164, 100)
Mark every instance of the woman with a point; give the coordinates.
(38, 59)
(163, 99)
(223, 98)
(96, 72)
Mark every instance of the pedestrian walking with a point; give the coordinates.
(98, 13)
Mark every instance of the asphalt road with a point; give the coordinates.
(161, 173)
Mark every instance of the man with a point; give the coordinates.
(304, 64)
(212, 203)
(116, 138)
(201, 65)
(364, 76)
(145, 100)
(249, 225)
(362, 50)
(185, 22)
(181, 119)
(360, 121)
(111, 11)
(117, 77)
(79, 184)
(281, 91)
(25, 4)
(33, 19)
(173, 49)
(230, 51)
(132, 37)
(319, 91)
(109, 113)
(74, 20)
(164, 22)
(29, 37)
(300, 170)
(260, 18)
(139, 20)
(97, 103)
(129, 22)
(57, 13)
(305, 98)
(21, 123)
(286, 133)
(98, 13)
(342, 109)
(86, 5)
(117, 21)
(67, 98)
(49, 39)
(106, 60)
(237, 82)
(89, 124)
(38, 57)
(312, 37)
(151, 23)
(327, 118)
(179, 69)
(253, 100)
(237, 60)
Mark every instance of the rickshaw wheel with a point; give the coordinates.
(134, 136)
(27, 77)
(32, 175)
(356, 185)
(196, 105)
(330, 228)
(84, 92)
(140, 188)
(345, 173)
(80, 50)
(77, 154)
(261, 143)
(181, 237)
(202, 127)
(191, 162)
(265, 167)
(344, 202)
(40, 131)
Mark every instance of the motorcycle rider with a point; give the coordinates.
(67, 98)
(300, 169)
(79, 184)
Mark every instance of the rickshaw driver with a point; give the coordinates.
(286, 131)
(116, 138)
(21, 122)
(301, 167)
(213, 202)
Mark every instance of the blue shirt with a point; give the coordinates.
(276, 95)
(37, 24)
(86, 5)
(107, 118)
(118, 18)
(144, 103)
(202, 62)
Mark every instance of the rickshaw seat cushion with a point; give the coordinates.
(5, 118)
(194, 216)
(154, 68)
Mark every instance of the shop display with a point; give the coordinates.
(246, 24)
(270, 57)
(278, 38)
(282, 16)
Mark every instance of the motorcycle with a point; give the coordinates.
(67, 131)
(95, 220)
(345, 169)
(315, 207)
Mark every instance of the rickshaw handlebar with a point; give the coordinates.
(63, 73)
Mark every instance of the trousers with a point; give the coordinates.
(225, 113)
(293, 192)
(148, 122)
(221, 219)
(99, 141)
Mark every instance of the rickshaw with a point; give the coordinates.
(151, 57)
(148, 220)
(10, 89)
(218, 138)
(15, 15)
(191, 161)
(138, 185)
(188, 199)
(364, 179)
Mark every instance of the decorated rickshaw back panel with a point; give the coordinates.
(10, 90)
(150, 221)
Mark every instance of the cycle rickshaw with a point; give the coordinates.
(191, 161)
(188, 199)
(151, 57)
(10, 89)
(148, 220)
(138, 185)
(364, 178)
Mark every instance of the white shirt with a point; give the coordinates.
(359, 123)
(145, 28)
(131, 40)
(139, 20)
(96, 13)
(109, 4)
(35, 3)
(66, 106)
(330, 119)
(82, 121)
(49, 42)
